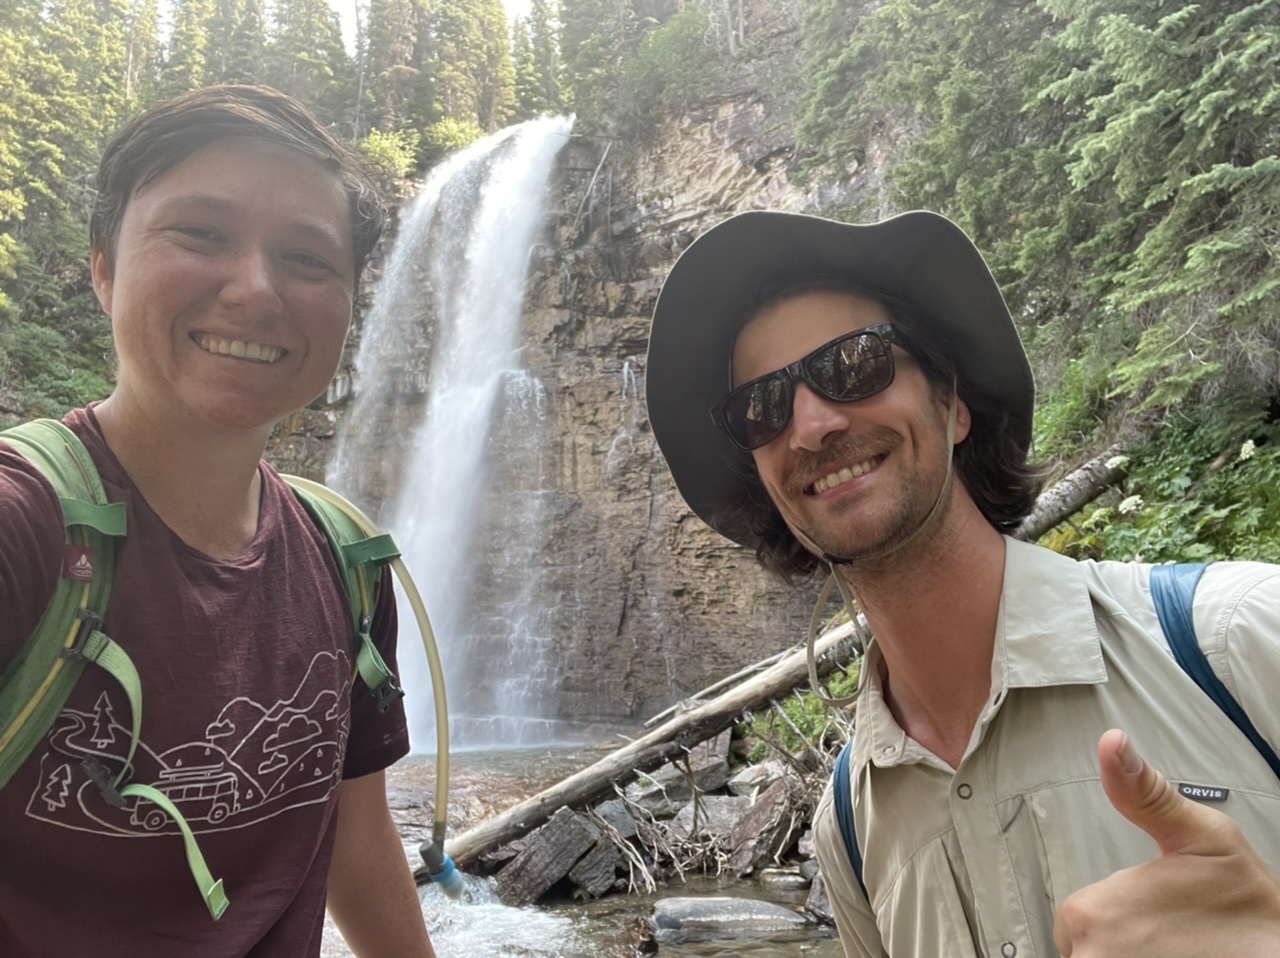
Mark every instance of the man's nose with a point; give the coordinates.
(813, 419)
(252, 283)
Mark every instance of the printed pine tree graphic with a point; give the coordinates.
(103, 719)
(55, 793)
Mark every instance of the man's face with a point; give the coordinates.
(855, 478)
(231, 288)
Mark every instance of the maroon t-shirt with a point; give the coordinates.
(249, 722)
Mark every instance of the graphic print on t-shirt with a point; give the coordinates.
(256, 760)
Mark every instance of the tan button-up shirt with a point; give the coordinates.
(976, 861)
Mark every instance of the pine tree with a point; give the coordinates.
(472, 62)
(186, 62)
(306, 58)
(393, 60)
(142, 36)
(547, 70)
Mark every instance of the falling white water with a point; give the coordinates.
(453, 290)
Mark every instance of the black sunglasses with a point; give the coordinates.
(851, 367)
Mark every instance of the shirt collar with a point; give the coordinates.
(1046, 635)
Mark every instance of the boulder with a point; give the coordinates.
(679, 920)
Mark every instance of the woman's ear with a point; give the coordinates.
(100, 266)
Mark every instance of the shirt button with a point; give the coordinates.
(889, 749)
(964, 791)
(1008, 949)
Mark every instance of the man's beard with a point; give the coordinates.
(879, 535)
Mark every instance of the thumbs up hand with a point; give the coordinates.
(1207, 895)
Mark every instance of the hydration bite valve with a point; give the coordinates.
(440, 869)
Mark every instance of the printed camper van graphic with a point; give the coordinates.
(254, 761)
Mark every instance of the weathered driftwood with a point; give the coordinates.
(547, 857)
(670, 741)
(1069, 494)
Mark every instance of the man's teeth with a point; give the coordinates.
(844, 475)
(239, 348)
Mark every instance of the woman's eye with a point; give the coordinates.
(198, 233)
(309, 261)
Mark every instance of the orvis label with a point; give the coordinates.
(1204, 793)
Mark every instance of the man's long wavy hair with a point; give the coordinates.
(990, 462)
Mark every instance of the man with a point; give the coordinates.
(228, 233)
(871, 412)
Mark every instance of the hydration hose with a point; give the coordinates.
(440, 867)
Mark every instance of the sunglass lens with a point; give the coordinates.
(760, 412)
(852, 368)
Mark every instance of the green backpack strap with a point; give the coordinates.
(68, 637)
(35, 685)
(361, 557)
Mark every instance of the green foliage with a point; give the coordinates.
(47, 376)
(1115, 160)
(471, 62)
(1207, 487)
(536, 55)
(805, 711)
(392, 154)
(446, 136)
(669, 71)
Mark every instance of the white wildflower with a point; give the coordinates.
(1131, 504)
(1117, 462)
(1248, 449)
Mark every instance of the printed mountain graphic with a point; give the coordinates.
(256, 760)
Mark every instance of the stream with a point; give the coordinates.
(483, 783)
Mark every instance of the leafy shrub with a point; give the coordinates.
(1207, 487)
(444, 137)
(806, 711)
(394, 155)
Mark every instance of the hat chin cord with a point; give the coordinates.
(846, 594)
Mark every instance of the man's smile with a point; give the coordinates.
(843, 474)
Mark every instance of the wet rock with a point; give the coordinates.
(666, 791)
(710, 817)
(806, 847)
(756, 778)
(615, 813)
(809, 868)
(767, 829)
(818, 904)
(783, 879)
(708, 919)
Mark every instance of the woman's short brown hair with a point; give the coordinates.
(170, 132)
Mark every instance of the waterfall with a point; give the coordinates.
(439, 386)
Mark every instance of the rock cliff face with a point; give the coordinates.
(642, 602)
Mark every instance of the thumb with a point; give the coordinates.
(1145, 797)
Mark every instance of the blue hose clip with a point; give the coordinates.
(441, 870)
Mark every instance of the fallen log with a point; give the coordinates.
(665, 743)
(1067, 496)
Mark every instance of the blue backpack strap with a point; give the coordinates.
(1173, 588)
(844, 814)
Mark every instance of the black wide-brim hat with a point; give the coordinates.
(920, 258)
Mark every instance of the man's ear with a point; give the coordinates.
(944, 395)
(103, 277)
(964, 421)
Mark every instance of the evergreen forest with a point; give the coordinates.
(1118, 161)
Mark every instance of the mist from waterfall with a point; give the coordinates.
(453, 290)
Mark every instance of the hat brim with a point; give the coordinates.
(920, 258)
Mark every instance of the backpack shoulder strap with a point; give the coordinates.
(35, 685)
(360, 557)
(1173, 589)
(843, 800)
